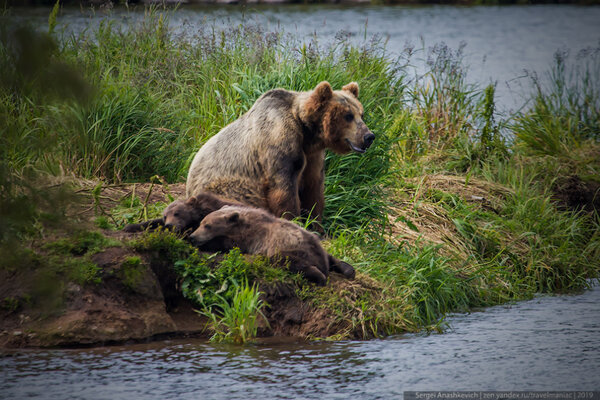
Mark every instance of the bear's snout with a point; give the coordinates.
(198, 237)
(194, 240)
(368, 140)
(367, 136)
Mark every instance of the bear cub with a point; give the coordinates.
(181, 216)
(255, 231)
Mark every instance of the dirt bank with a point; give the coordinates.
(116, 311)
(134, 295)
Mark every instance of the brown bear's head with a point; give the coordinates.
(181, 216)
(340, 113)
(217, 224)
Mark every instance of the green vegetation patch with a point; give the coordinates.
(419, 285)
(79, 244)
(236, 320)
(70, 257)
(219, 283)
(167, 243)
(209, 278)
(132, 271)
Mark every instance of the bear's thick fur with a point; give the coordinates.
(275, 153)
(255, 231)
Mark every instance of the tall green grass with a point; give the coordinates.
(427, 279)
(236, 321)
(447, 118)
(566, 107)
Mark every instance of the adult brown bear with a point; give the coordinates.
(276, 151)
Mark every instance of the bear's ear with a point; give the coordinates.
(352, 87)
(192, 201)
(233, 218)
(322, 93)
(317, 100)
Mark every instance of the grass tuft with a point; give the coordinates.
(236, 320)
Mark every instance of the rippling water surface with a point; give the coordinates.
(549, 343)
(501, 42)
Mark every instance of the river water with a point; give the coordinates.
(501, 42)
(548, 343)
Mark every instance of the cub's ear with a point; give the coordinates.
(192, 201)
(352, 87)
(233, 218)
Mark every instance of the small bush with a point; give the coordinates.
(206, 280)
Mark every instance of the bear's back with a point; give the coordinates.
(280, 99)
(238, 152)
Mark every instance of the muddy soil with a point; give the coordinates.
(575, 193)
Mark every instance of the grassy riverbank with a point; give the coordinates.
(452, 208)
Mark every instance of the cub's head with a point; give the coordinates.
(221, 223)
(341, 118)
(181, 216)
(206, 202)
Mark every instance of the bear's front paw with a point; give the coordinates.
(131, 228)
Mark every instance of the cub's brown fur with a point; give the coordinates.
(185, 215)
(255, 231)
(275, 153)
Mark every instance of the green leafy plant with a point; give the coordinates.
(208, 277)
(235, 320)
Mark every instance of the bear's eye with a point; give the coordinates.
(208, 227)
(176, 214)
(349, 117)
